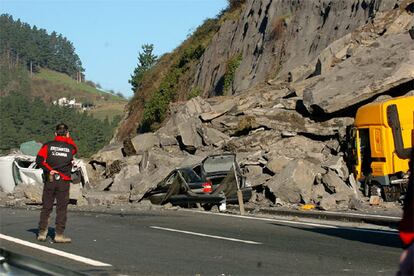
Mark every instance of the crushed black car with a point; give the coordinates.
(212, 182)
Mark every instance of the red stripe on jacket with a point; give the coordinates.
(67, 140)
(43, 153)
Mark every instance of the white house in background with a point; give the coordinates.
(68, 103)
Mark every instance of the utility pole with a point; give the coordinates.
(31, 68)
(239, 192)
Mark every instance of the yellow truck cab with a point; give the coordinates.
(382, 139)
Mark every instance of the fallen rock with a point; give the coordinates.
(375, 200)
(301, 72)
(125, 179)
(251, 171)
(286, 134)
(213, 136)
(294, 183)
(33, 192)
(166, 140)
(355, 204)
(354, 186)
(189, 138)
(102, 184)
(158, 159)
(318, 192)
(219, 110)
(372, 70)
(334, 184)
(255, 176)
(109, 153)
(133, 160)
(327, 203)
(75, 192)
(113, 168)
(337, 164)
(293, 148)
(277, 164)
(145, 142)
(105, 198)
(95, 171)
(333, 145)
(143, 182)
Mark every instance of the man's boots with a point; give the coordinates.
(60, 238)
(41, 236)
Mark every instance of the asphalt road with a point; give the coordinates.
(190, 243)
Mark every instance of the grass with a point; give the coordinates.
(108, 110)
(50, 85)
(71, 84)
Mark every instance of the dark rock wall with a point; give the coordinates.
(275, 36)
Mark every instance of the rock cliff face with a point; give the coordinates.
(275, 36)
(303, 67)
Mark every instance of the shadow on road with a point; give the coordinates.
(50, 231)
(376, 238)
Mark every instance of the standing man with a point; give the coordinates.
(55, 158)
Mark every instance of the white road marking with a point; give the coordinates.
(204, 235)
(361, 215)
(390, 232)
(54, 251)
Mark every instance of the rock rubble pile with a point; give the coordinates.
(289, 133)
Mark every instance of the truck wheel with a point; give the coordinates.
(375, 190)
(207, 207)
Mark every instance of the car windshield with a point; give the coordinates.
(190, 176)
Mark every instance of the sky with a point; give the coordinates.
(108, 34)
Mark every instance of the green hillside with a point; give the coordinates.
(36, 70)
(50, 86)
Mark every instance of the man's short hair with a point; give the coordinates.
(61, 129)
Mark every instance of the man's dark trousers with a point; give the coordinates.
(59, 190)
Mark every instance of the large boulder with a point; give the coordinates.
(125, 179)
(277, 163)
(372, 70)
(188, 135)
(144, 142)
(294, 183)
(159, 158)
(149, 179)
(167, 140)
(328, 203)
(296, 147)
(335, 184)
(218, 110)
(109, 153)
(182, 112)
(337, 164)
(318, 193)
(212, 136)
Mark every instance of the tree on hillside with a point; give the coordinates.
(21, 44)
(26, 119)
(146, 59)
